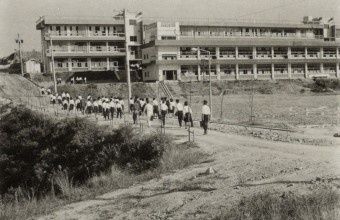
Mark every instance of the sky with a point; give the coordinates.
(19, 16)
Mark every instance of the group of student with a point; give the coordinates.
(114, 107)
(78, 80)
(152, 109)
(108, 107)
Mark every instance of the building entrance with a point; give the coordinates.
(170, 74)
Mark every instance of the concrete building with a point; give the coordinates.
(90, 43)
(240, 49)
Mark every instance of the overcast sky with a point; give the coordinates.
(19, 16)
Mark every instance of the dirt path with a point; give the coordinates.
(244, 165)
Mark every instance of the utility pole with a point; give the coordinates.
(127, 55)
(53, 68)
(20, 41)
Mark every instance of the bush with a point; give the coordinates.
(319, 205)
(35, 150)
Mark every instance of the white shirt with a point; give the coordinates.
(88, 104)
(141, 103)
(149, 109)
(77, 101)
(99, 102)
(172, 105)
(118, 105)
(179, 107)
(65, 102)
(164, 107)
(205, 110)
(122, 102)
(112, 104)
(154, 102)
(71, 102)
(67, 95)
(187, 109)
(59, 98)
(63, 95)
(105, 105)
(95, 103)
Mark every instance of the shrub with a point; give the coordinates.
(36, 150)
(318, 205)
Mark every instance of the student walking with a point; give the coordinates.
(89, 107)
(65, 104)
(172, 107)
(187, 114)
(95, 106)
(179, 112)
(106, 110)
(71, 103)
(149, 113)
(205, 116)
(135, 110)
(119, 109)
(112, 108)
(164, 110)
(155, 107)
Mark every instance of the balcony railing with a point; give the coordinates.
(85, 49)
(83, 33)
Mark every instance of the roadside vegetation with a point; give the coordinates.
(46, 163)
(319, 205)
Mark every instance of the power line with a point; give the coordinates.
(267, 9)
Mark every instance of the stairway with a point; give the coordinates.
(165, 90)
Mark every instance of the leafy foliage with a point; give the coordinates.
(34, 148)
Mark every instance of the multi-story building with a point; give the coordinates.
(90, 43)
(240, 49)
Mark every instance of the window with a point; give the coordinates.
(133, 38)
(132, 22)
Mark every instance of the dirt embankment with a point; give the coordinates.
(240, 166)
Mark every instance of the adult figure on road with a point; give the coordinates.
(164, 110)
(179, 112)
(149, 112)
(187, 114)
(205, 116)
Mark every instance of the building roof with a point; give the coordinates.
(73, 20)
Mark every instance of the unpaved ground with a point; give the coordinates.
(244, 166)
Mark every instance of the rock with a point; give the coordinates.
(290, 184)
(210, 170)
(297, 168)
(317, 179)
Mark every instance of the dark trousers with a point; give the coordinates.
(163, 113)
(180, 117)
(100, 108)
(112, 111)
(95, 109)
(134, 116)
(106, 113)
(205, 123)
(188, 118)
(119, 112)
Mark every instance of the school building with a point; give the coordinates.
(182, 49)
(100, 43)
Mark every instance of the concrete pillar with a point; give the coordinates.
(217, 52)
(199, 72)
(179, 75)
(306, 70)
(108, 63)
(68, 46)
(218, 71)
(289, 70)
(107, 47)
(289, 52)
(254, 52)
(321, 52)
(69, 64)
(272, 52)
(337, 70)
(272, 71)
(337, 53)
(236, 71)
(255, 70)
(106, 31)
(321, 68)
(51, 67)
(68, 31)
(89, 63)
(88, 47)
(306, 51)
(236, 52)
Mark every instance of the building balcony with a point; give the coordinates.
(83, 35)
(84, 51)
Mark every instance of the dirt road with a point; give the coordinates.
(243, 165)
